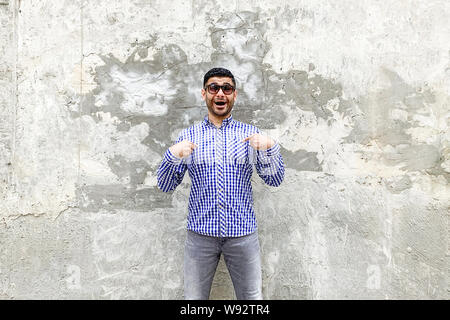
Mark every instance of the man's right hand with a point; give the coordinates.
(183, 149)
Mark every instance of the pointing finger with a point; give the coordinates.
(248, 138)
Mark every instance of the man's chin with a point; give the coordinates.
(223, 113)
(221, 110)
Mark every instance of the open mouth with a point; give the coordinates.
(220, 103)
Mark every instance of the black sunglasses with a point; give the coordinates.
(213, 88)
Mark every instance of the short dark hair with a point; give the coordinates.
(218, 72)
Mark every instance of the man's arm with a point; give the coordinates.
(269, 162)
(173, 166)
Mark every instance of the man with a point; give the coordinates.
(219, 154)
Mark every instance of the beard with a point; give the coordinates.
(219, 110)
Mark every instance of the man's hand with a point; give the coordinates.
(259, 142)
(183, 149)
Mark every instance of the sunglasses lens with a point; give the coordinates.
(213, 88)
(227, 89)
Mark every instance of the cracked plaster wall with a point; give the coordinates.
(356, 92)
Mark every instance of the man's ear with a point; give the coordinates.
(203, 94)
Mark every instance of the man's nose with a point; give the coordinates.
(220, 92)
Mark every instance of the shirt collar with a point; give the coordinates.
(225, 122)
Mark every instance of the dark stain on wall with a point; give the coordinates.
(239, 44)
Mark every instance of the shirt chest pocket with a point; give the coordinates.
(204, 153)
(237, 152)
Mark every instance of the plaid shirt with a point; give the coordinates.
(220, 168)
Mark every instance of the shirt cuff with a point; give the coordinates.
(169, 157)
(271, 152)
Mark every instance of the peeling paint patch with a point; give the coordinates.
(392, 119)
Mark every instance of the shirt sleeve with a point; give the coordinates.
(270, 166)
(171, 170)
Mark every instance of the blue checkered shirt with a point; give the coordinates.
(220, 168)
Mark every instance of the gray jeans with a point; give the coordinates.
(242, 257)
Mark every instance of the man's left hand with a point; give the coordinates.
(259, 142)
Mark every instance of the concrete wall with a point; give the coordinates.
(357, 92)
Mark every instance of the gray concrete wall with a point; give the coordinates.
(356, 92)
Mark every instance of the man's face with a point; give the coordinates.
(219, 104)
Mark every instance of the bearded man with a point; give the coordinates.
(219, 153)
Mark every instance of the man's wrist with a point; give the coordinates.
(272, 151)
(170, 157)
